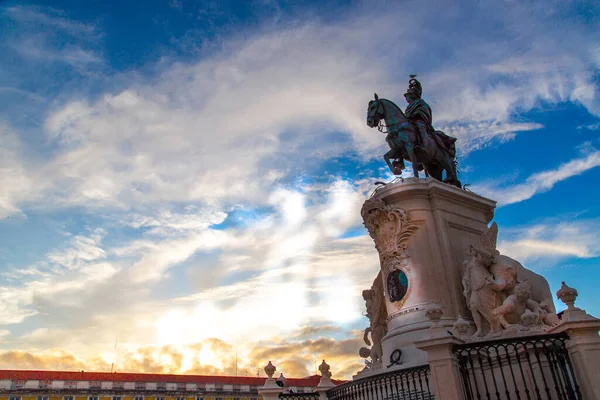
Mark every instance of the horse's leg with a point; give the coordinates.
(387, 157)
(413, 160)
(448, 165)
(435, 171)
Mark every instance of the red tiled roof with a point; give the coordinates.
(310, 381)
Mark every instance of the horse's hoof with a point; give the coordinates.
(453, 182)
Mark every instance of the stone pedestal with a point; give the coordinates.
(324, 385)
(584, 348)
(270, 391)
(421, 229)
(444, 369)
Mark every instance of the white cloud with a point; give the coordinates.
(214, 131)
(58, 279)
(15, 180)
(158, 256)
(166, 222)
(539, 182)
(552, 240)
(49, 17)
(40, 34)
(591, 127)
(82, 250)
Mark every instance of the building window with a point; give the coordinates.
(180, 398)
(161, 386)
(181, 386)
(70, 385)
(42, 398)
(199, 398)
(92, 397)
(68, 398)
(140, 385)
(18, 383)
(236, 398)
(160, 398)
(218, 398)
(116, 398)
(118, 385)
(138, 398)
(95, 385)
(45, 384)
(14, 398)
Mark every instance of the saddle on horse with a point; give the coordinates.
(448, 143)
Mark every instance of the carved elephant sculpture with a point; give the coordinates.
(514, 272)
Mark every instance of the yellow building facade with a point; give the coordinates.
(67, 385)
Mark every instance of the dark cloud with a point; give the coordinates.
(56, 359)
(311, 330)
(294, 359)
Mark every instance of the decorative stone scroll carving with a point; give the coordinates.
(389, 227)
(503, 296)
(377, 314)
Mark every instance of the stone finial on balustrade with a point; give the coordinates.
(282, 380)
(461, 327)
(567, 295)
(270, 390)
(434, 313)
(324, 369)
(325, 383)
(270, 370)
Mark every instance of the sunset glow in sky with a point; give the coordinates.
(185, 177)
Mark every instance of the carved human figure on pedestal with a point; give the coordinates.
(509, 313)
(515, 305)
(490, 283)
(480, 289)
(377, 314)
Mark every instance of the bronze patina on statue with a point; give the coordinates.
(411, 136)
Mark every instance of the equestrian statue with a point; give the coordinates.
(411, 136)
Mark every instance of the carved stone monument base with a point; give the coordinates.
(421, 228)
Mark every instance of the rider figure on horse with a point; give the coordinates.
(418, 113)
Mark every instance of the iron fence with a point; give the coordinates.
(299, 396)
(405, 384)
(532, 368)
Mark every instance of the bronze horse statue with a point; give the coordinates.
(401, 137)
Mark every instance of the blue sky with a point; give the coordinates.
(179, 171)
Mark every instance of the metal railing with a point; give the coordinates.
(405, 384)
(299, 396)
(534, 367)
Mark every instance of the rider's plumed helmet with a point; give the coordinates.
(414, 87)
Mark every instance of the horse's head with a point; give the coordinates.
(375, 112)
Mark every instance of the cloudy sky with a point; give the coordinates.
(185, 177)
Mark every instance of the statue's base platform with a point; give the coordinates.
(448, 219)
